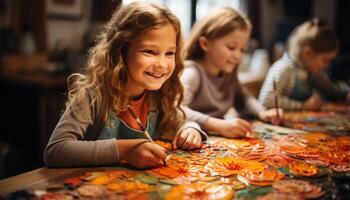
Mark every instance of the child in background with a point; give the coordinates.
(213, 51)
(135, 63)
(299, 73)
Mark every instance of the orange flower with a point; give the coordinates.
(106, 177)
(233, 182)
(200, 191)
(298, 188)
(125, 187)
(233, 143)
(264, 178)
(231, 166)
(278, 161)
(316, 137)
(172, 170)
(302, 169)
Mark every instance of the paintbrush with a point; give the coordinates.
(276, 99)
(145, 132)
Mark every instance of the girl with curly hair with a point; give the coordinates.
(133, 70)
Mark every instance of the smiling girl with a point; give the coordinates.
(213, 52)
(134, 66)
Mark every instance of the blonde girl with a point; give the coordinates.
(213, 51)
(299, 74)
(135, 65)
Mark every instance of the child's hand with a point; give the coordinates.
(145, 154)
(188, 139)
(229, 128)
(271, 116)
(313, 103)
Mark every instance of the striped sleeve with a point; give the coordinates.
(282, 73)
(328, 90)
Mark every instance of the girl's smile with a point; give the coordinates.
(151, 59)
(155, 75)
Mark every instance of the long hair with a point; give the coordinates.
(315, 34)
(218, 23)
(107, 75)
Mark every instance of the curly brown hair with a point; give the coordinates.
(107, 73)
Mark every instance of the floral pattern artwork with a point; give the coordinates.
(266, 165)
(228, 166)
(200, 191)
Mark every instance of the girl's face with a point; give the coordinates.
(150, 59)
(318, 61)
(225, 53)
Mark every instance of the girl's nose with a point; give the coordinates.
(237, 54)
(161, 62)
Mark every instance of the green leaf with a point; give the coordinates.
(147, 179)
(252, 192)
(168, 181)
(322, 172)
(285, 171)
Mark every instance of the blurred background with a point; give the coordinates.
(43, 41)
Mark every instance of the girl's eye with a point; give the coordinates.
(148, 51)
(170, 53)
(231, 48)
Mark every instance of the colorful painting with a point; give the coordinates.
(269, 164)
(326, 121)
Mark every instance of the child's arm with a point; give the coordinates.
(312, 103)
(190, 80)
(68, 146)
(73, 141)
(337, 91)
(232, 128)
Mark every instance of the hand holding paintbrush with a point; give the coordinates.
(276, 99)
(273, 115)
(143, 128)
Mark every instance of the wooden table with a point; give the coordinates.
(28, 179)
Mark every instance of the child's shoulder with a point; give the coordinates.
(191, 64)
(86, 101)
(192, 67)
(283, 64)
(281, 68)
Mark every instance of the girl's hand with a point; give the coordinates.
(144, 154)
(188, 139)
(233, 128)
(271, 116)
(313, 103)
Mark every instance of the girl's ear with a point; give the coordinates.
(203, 43)
(307, 51)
